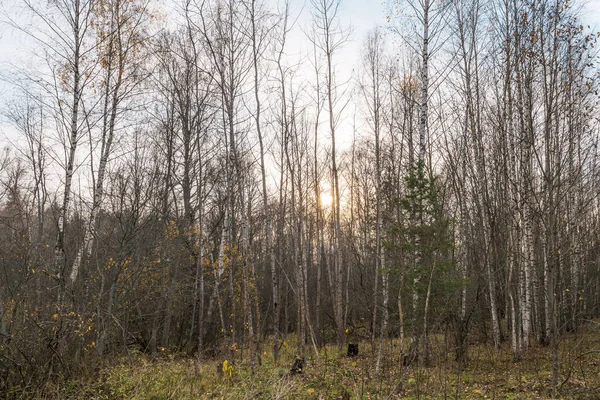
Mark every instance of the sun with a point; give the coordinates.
(326, 199)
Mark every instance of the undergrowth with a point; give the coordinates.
(490, 374)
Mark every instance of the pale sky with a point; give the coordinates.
(362, 15)
(591, 13)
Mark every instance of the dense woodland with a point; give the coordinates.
(189, 181)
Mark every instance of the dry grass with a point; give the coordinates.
(489, 374)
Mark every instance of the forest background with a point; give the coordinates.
(211, 178)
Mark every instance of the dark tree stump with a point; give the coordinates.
(298, 366)
(352, 349)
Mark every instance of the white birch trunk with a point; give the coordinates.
(385, 318)
(112, 97)
(59, 252)
(527, 272)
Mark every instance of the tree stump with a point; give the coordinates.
(297, 366)
(352, 349)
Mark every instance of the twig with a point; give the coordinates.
(573, 366)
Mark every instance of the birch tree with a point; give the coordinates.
(330, 37)
(63, 31)
(121, 29)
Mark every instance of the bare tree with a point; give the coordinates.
(330, 37)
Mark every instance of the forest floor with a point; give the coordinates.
(489, 374)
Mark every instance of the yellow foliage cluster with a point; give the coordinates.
(227, 369)
(172, 230)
